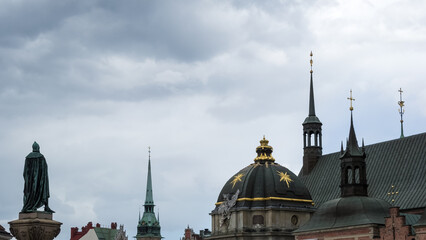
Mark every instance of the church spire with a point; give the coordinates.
(311, 93)
(353, 168)
(149, 201)
(312, 133)
(148, 227)
(352, 146)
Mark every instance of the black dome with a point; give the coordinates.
(348, 211)
(266, 184)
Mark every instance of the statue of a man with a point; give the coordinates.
(36, 189)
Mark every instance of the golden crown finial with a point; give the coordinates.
(350, 98)
(264, 151)
(312, 62)
(264, 142)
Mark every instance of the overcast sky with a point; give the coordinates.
(97, 82)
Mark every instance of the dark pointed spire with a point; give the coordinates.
(312, 118)
(352, 146)
(353, 180)
(312, 133)
(311, 93)
(352, 141)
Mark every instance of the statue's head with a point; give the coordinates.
(36, 147)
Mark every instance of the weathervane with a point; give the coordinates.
(393, 194)
(350, 98)
(312, 62)
(401, 111)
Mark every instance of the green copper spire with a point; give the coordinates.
(149, 226)
(149, 201)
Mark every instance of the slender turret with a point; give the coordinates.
(312, 133)
(353, 168)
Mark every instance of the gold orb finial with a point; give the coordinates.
(350, 98)
(312, 62)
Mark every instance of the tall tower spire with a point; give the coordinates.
(401, 111)
(353, 176)
(312, 133)
(311, 92)
(148, 227)
(149, 201)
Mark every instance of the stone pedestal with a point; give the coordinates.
(35, 226)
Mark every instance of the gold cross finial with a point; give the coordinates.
(312, 62)
(401, 111)
(351, 99)
(393, 194)
(400, 102)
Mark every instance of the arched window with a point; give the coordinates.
(349, 175)
(258, 219)
(304, 139)
(357, 178)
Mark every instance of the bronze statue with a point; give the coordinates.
(36, 189)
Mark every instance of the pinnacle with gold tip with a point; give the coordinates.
(350, 98)
(264, 151)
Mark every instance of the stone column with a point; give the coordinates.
(35, 226)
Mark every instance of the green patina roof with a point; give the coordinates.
(149, 200)
(348, 211)
(105, 233)
(149, 219)
(312, 119)
(422, 220)
(149, 226)
(400, 162)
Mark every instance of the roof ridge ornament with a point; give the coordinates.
(401, 111)
(392, 193)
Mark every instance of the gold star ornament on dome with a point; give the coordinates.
(237, 178)
(284, 177)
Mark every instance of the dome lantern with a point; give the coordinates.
(264, 152)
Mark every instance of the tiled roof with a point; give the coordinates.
(400, 162)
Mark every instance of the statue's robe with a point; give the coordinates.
(36, 190)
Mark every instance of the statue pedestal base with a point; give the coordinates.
(35, 226)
